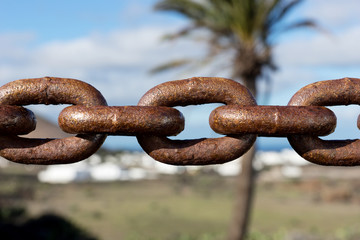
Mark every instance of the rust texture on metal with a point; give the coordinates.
(302, 121)
(203, 151)
(122, 120)
(327, 152)
(49, 151)
(16, 120)
(273, 120)
(50, 90)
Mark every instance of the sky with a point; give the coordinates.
(113, 45)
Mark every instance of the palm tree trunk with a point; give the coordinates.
(243, 198)
(244, 189)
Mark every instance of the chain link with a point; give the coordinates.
(50, 91)
(241, 120)
(197, 151)
(126, 120)
(16, 120)
(273, 120)
(327, 152)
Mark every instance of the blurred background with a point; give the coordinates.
(120, 192)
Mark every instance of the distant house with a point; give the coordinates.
(93, 170)
(64, 173)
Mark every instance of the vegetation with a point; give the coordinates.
(16, 223)
(198, 209)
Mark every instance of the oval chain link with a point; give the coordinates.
(197, 151)
(273, 120)
(327, 152)
(49, 90)
(16, 120)
(122, 120)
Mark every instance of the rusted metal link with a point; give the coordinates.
(302, 121)
(273, 120)
(16, 120)
(328, 93)
(50, 90)
(122, 120)
(49, 151)
(203, 151)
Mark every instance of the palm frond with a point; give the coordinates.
(170, 65)
(190, 9)
(182, 33)
(281, 9)
(303, 23)
(246, 26)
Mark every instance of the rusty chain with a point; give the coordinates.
(154, 118)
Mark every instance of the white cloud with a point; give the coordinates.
(314, 57)
(331, 50)
(333, 13)
(125, 48)
(117, 63)
(13, 47)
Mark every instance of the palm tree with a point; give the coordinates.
(246, 29)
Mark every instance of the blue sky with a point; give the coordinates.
(113, 45)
